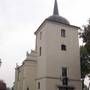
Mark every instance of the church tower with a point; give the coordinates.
(58, 56)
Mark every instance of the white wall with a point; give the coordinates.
(27, 73)
(52, 60)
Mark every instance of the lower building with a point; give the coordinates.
(25, 74)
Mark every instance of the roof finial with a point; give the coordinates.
(55, 12)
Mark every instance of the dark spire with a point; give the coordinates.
(55, 12)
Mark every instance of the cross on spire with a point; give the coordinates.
(55, 12)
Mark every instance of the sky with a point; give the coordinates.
(19, 19)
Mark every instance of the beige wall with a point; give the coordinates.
(27, 73)
(41, 59)
(47, 68)
(52, 60)
(19, 78)
(56, 58)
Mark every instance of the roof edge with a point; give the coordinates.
(64, 24)
(40, 26)
(56, 22)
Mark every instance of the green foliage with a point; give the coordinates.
(86, 34)
(87, 46)
(85, 51)
(85, 61)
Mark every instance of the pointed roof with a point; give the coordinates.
(55, 12)
(55, 17)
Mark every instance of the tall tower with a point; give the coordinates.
(58, 54)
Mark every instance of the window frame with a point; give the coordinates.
(64, 71)
(64, 76)
(63, 33)
(38, 85)
(40, 51)
(63, 47)
(40, 35)
(27, 88)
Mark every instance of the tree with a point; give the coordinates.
(86, 37)
(84, 59)
(85, 51)
(2, 85)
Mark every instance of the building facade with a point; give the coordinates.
(25, 74)
(55, 63)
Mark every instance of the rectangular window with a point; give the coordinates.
(64, 76)
(63, 47)
(40, 51)
(63, 34)
(64, 72)
(18, 74)
(38, 85)
(40, 35)
(27, 88)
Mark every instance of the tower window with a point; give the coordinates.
(63, 47)
(63, 34)
(64, 72)
(27, 88)
(40, 51)
(38, 85)
(64, 76)
(18, 74)
(40, 35)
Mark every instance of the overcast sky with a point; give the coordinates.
(19, 19)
